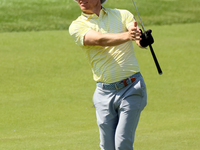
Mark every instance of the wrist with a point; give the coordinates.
(127, 36)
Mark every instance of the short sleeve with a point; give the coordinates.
(128, 18)
(78, 30)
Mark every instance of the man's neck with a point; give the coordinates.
(94, 11)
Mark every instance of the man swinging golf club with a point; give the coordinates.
(106, 36)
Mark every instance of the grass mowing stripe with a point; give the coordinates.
(28, 15)
(37, 15)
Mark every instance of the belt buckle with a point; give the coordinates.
(116, 87)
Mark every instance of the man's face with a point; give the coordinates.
(88, 6)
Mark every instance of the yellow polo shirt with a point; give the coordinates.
(112, 63)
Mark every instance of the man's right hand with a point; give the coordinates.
(134, 32)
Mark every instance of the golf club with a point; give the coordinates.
(151, 48)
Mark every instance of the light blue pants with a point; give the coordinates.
(118, 113)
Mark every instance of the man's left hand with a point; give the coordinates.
(146, 39)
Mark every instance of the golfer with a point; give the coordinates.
(106, 36)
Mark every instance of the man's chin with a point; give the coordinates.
(85, 10)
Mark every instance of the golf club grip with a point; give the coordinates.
(155, 60)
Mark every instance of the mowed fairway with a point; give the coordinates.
(46, 92)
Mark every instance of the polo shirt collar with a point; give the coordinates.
(94, 16)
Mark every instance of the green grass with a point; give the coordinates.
(171, 120)
(41, 103)
(37, 15)
(46, 92)
(46, 83)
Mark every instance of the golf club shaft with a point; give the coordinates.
(151, 48)
(141, 23)
(155, 60)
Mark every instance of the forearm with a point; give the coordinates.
(107, 39)
(112, 39)
(94, 38)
